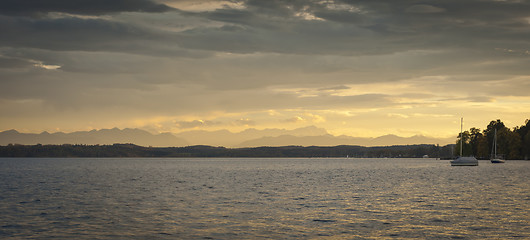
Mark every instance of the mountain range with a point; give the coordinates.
(307, 136)
(93, 137)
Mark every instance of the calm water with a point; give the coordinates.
(262, 198)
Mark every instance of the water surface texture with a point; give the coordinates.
(262, 198)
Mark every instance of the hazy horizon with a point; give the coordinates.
(352, 67)
(305, 136)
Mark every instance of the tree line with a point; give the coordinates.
(130, 150)
(511, 143)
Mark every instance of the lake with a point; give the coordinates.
(242, 198)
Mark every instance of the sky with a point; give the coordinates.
(360, 68)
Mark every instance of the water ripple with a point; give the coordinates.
(262, 198)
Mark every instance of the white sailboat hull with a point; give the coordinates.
(465, 161)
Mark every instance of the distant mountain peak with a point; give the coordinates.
(11, 131)
(101, 136)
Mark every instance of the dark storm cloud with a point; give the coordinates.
(68, 33)
(82, 7)
(366, 27)
(97, 35)
(356, 27)
(28, 24)
(453, 35)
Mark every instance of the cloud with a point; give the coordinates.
(316, 118)
(209, 123)
(13, 63)
(46, 66)
(335, 88)
(244, 122)
(375, 28)
(82, 7)
(295, 119)
(77, 34)
(305, 117)
(397, 115)
(195, 124)
(132, 59)
(348, 27)
(424, 8)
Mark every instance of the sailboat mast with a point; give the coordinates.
(461, 136)
(495, 142)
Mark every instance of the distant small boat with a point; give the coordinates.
(494, 157)
(497, 160)
(461, 160)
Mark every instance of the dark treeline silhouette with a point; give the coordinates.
(130, 150)
(512, 144)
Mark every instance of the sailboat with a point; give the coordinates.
(494, 157)
(461, 160)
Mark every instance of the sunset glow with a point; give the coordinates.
(354, 68)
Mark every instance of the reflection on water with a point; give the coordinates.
(262, 198)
